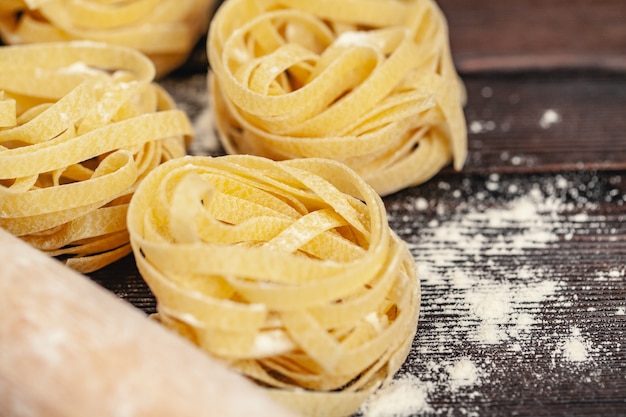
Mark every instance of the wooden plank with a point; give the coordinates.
(546, 122)
(490, 35)
(520, 35)
(497, 237)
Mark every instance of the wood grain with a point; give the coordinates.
(492, 35)
(509, 130)
(523, 374)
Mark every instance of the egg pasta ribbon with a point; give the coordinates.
(369, 83)
(164, 30)
(81, 124)
(288, 271)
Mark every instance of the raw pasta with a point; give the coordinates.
(287, 271)
(81, 124)
(370, 83)
(164, 30)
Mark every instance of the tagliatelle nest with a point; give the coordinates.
(164, 30)
(80, 125)
(288, 271)
(370, 83)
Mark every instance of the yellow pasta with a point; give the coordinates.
(81, 124)
(288, 271)
(370, 83)
(164, 30)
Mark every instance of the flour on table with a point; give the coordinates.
(576, 348)
(194, 99)
(463, 373)
(405, 396)
(549, 118)
(482, 126)
(497, 305)
(484, 289)
(206, 140)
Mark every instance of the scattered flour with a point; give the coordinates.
(463, 373)
(405, 396)
(193, 97)
(518, 160)
(421, 204)
(576, 348)
(500, 310)
(615, 273)
(485, 290)
(549, 118)
(408, 395)
(206, 140)
(482, 126)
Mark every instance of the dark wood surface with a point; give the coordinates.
(488, 35)
(546, 83)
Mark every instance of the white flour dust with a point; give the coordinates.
(486, 287)
(462, 374)
(408, 395)
(193, 97)
(206, 141)
(405, 396)
(548, 118)
(481, 126)
(576, 348)
(495, 303)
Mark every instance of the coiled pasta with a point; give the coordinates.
(164, 30)
(81, 124)
(288, 271)
(369, 83)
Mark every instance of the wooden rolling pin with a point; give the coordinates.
(70, 348)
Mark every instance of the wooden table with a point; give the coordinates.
(522, 255)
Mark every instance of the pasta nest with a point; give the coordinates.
(164, 30)
(81, 124)
(288, 271)
(369, 83)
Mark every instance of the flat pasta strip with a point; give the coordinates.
(82, 125)
(319, 330)
(164, 30)
(368, 83)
